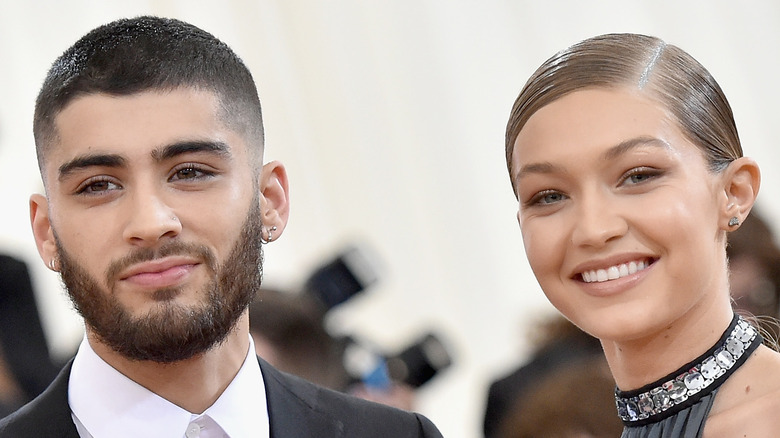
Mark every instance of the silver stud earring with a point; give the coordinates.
(733, 222)
(270, 232)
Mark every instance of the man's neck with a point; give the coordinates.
(193, 384)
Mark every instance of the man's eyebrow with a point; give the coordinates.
(160, 154)
(611, 153)
(84, 161)
(190, 146)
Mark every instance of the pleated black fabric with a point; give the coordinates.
(688, 423)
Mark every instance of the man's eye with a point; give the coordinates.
(97, 187)
(188, 173)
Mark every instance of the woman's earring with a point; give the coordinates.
(734, 222)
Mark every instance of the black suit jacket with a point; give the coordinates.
(22, 339)
(296, 409)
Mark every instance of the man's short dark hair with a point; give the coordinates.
(129, 56)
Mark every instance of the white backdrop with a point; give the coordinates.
(390, 119)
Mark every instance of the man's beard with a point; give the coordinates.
(171, 332)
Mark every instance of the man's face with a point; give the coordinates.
(154, 214)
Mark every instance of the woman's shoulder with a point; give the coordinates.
(748, 403)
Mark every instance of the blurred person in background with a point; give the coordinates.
(754, 272)
(573, 400)
(556, 343)
(289, 331)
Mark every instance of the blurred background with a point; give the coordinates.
(390, 116)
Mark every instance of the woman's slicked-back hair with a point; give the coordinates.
(666, 73)
(129, 56)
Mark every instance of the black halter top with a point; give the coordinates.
(678, 404)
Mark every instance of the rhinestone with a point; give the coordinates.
(645, 403)
(621, 408)
(724, 358)
(710, 368)
(661, 399)
(694, 381)
(743, 333)
(632, 410)
(676, 390)
(735, 346)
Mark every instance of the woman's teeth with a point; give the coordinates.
(614, 272)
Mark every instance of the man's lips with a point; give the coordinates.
(159, 273)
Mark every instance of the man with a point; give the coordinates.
(149, 139)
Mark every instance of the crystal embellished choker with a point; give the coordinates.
(687, 385)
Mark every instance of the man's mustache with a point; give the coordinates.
(142, 255)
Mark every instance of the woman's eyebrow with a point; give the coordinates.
(619, 149)
(633, 143)
(537, 168)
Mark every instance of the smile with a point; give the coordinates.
(615, 272)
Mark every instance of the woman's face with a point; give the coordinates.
(619, 213)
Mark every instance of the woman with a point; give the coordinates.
(625, 160)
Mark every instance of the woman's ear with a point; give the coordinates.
(42, 231)
(742, 179)
(274, 198)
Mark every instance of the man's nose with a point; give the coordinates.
(150, 219)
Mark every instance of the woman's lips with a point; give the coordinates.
(616, 271)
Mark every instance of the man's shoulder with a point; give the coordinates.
(47, 415)
(353, 416)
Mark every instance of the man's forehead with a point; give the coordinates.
(142, 121)
(182, 98)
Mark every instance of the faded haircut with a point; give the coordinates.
(146, 53)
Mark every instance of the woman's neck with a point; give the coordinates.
(638, 362)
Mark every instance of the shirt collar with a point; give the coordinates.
(107, 403)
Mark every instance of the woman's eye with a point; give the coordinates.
(639, 175)
(546, 197)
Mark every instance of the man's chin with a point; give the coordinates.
(165, 295)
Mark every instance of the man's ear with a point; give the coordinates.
(42, 230)
(742, 179)
(274, 197)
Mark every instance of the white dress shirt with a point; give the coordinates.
(106, 403)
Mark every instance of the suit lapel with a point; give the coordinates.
(57, 405)
(49, 414)
(293, 407)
